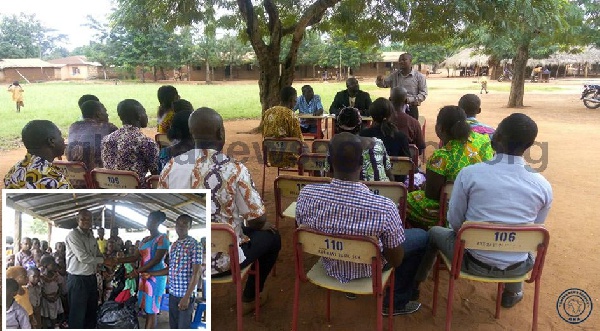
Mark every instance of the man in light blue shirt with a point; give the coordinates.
(308, 104)
(503, 190)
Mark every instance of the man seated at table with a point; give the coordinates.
(480, 194)
(234, 198)
(85, 135)
(308, 104)
(353, 97)
(346, 206)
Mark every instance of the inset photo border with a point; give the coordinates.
(63, 253)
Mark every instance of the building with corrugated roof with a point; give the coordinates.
(29, 70)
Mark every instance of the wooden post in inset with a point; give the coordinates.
(18, 231)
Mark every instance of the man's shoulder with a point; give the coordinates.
(417, 73)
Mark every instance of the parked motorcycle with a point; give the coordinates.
(505, 76)
(591, 96)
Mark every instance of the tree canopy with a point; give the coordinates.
(24, 36)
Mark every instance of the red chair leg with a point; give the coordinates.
(449, 304)
(296, 304)
(499, 299)
(536, 297)
(436, 284)
(256, 290)
(240, 321)
(379, 302)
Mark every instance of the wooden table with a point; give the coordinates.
(319, 118)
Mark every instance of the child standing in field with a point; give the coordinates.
(483, 85)
(17, 94)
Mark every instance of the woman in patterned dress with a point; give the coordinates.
(150, 253)
(460, 147)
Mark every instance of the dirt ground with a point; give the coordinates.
(567, 155)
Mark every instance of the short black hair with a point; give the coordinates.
(36, 132)
(89, 108)
(180, 130)
(348, 120)
(470, 103)
(182, 104)
(86, 97)
(158, 215)
(288, 93)
(517, 132)
(46, 260)
(453, 121)
(345, 152)
(188, 217)
(306, 87)
(127, 109)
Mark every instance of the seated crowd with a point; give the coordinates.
(483, 164)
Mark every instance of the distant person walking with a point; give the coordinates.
(17, 94)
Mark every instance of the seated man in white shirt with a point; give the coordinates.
(480, 194)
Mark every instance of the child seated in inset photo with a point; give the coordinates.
(16, 316)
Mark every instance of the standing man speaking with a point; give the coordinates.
(83, 256)
(412, 80)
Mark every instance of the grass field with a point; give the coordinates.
(58, 101)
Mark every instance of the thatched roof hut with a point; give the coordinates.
(466, 58)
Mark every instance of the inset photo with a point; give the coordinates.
(105, 259)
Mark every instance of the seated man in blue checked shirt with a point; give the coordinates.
(308, 104)
(185, 258)
(346, 206)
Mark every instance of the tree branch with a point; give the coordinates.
(313, 15)
(252, 29)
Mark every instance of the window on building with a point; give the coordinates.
(76, 71)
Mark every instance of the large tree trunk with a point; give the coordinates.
(517, 87)
(208, 81)
(143, 73)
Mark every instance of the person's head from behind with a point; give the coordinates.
(380, 110)
(180, 129)
(33, 276)
(44, 139)
(16, 83)
(345, 156)
(515, 134)
(307, 92)
(26, 244)
(86, 97)
(288, 96)
(167, 94)
(183, 224)
(352, 86)
(48, 263)
(182, 104)
(94, 110)
(452, 124)
(207, 129)
(155, 219)
(12, 289)
(348, 120)
(18, 273)
(398, 96)
(471, 104)
(131, 112)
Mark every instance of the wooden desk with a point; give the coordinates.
(319, 118)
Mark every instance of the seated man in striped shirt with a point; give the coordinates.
(346, 206)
